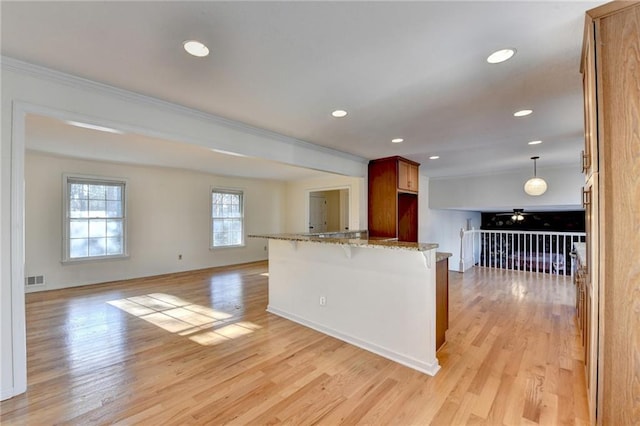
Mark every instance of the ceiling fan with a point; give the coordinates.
(517, 215)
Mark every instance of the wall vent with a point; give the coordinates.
(34, 280)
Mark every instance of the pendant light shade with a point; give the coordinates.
(535, 186)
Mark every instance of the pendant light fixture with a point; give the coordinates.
(535, 186)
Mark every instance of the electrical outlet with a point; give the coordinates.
(179, 257)
(323, 301)
(265, 248)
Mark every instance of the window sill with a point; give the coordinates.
(94, 259)
(227, 247)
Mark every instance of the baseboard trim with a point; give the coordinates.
(466, 264)
(6, 394)
(424, 367)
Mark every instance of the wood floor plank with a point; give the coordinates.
(378, 394)
(484, 400)
(500, 402)
(198, 347)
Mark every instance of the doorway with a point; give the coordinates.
(329, 210)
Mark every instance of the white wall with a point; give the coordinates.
(504, 191)
(10, 332)
(380, 299)
(168, 214)
(442, 226)
(297, 210)
(447, 203)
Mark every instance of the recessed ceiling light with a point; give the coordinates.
(397, 140)
(339, 113)
(195, 48)
(522, 113)
(434, 157)
(95, 127)
(535, 142)
(501, 56)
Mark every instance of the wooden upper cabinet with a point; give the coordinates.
(393, 198)
(407, 175)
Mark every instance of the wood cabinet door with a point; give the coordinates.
(403, 175)
(617, 53)
(589, 159)
(611, 57)
(592, 284)
(407, 176)
(413, 177)
(442, 301)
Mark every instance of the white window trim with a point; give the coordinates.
(65, 218)
(213, 189)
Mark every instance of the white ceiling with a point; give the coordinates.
(415, 70)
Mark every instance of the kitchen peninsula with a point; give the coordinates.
(376, 294)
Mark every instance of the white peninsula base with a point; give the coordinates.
(377, 296)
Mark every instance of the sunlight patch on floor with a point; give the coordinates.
(202, 324)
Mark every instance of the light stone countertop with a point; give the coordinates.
(441, 255)
(362, 241)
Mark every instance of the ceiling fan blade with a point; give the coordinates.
(514, 212)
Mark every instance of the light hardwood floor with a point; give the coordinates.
(199, 348)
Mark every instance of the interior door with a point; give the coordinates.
(317, 213)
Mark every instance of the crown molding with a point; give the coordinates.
(509, 171)
(41, 72)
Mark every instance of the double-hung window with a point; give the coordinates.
(227, 218)
(95, 218)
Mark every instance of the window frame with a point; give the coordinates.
(66, 233)
(243, 200)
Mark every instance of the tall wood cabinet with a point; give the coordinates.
(611, 163)
(393, 198)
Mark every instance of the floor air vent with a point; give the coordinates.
(34, 280)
